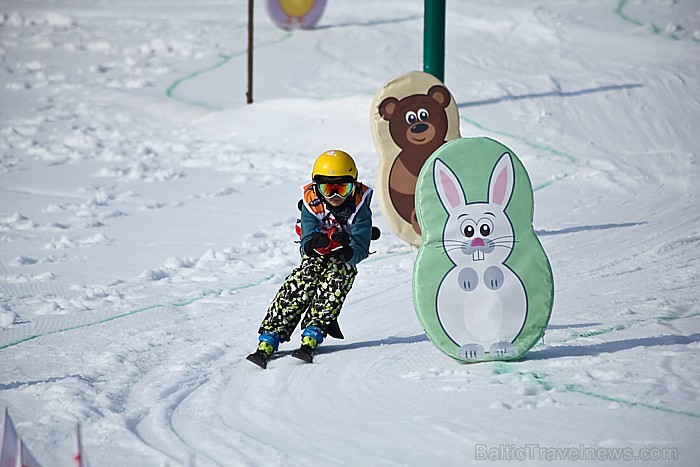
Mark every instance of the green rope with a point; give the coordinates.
(628, 325)
(503, 368)
(182, 303)
(541, 147)
(619, 10)
(170, 91)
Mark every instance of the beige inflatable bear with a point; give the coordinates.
(412, 116)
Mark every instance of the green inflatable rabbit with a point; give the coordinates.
(482, 284)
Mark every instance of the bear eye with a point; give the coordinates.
(423, 115)
(411, 117)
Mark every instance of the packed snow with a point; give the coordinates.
(147, 219)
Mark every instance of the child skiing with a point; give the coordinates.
(336, 228)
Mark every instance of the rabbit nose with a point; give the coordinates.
(477, 242)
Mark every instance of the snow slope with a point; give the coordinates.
(146, 221)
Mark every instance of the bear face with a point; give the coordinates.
(417, 123)
(418, 126)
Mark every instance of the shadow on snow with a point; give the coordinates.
(587, 228)
(610, 347)
(391, 340)
(555, 93)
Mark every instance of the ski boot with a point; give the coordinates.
(310, 338)
(269, 341)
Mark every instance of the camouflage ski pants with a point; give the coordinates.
(316, 290)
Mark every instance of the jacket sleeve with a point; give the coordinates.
(309, 224)
(361, 234)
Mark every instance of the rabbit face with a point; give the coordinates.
(480, 233)
(477, 233)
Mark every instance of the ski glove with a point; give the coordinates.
(344, 254)
(318, 242)
(342, 237)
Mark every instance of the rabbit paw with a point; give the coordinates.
(468, 279)
(502, 350)
(471, 352)
(493, 278)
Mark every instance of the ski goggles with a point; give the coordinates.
(328, 190)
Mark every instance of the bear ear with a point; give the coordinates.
(388, 107)
(440, 94)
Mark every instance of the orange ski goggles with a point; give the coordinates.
(328, 190)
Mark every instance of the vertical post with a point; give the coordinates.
(434, 38)
(78, 457)
(249, 93)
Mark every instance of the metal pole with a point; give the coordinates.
(434, 38)
(249, 94)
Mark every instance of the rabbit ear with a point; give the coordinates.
(449, 189)
(502, 179)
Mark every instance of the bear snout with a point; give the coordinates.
(420, 134)
(419, 128)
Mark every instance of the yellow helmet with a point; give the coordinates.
(334, 163)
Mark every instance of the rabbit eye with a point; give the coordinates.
(411, 117)
(485, 227)
(468, 228)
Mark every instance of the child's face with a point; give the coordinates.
(335, 201)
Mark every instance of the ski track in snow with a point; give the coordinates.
(138, 255)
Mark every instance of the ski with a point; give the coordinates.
(304, 353)
(260, 358)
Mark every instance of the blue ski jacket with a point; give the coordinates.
(317, 217)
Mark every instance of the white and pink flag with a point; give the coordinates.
(13, 452)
